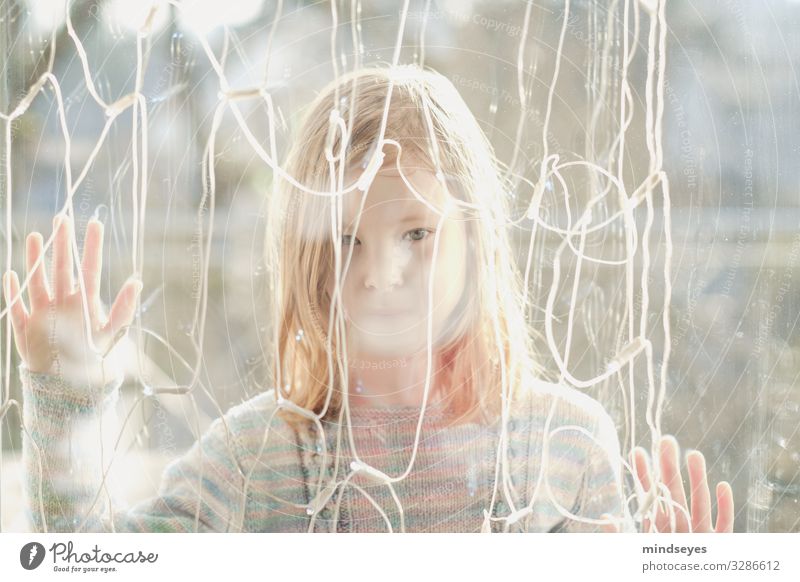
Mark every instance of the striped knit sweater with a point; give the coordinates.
(252, 472)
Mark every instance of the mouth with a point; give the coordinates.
(387, 312)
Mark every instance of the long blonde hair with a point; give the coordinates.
(430, 120)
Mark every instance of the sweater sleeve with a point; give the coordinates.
(602, 488)
(199, 491)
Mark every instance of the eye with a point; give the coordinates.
(418, 234)
(349, 238)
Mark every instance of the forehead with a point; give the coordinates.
(390, 192)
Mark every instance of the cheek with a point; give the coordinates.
(452, 283)
(450, 264)
(347, 291)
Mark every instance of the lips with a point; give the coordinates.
(384, 310)
(387, 312)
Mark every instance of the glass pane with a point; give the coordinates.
(380, 240)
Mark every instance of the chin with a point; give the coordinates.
(383, 346)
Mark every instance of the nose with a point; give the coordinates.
(384, 270)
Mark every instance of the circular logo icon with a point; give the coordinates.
(31, 555)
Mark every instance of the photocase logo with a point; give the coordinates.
(67, 558)
(31, 555)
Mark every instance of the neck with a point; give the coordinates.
(390, 382)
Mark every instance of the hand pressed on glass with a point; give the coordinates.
(51, 337)
(700, 511)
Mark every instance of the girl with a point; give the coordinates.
(406, 396)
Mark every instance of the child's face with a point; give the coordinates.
(385, 291)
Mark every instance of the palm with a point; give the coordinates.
(51, 337)
(687, 518)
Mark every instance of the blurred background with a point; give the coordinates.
(731, 115)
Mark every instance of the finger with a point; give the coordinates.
(62, 258)
(642, 467)
(38, 289)
(647, 526)
(724, 508)
(672, 478)
(92, 263)
(665, 510)
(123, 308)
(642, 464)
(19, 314)
(610, 526)
(701, 497)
